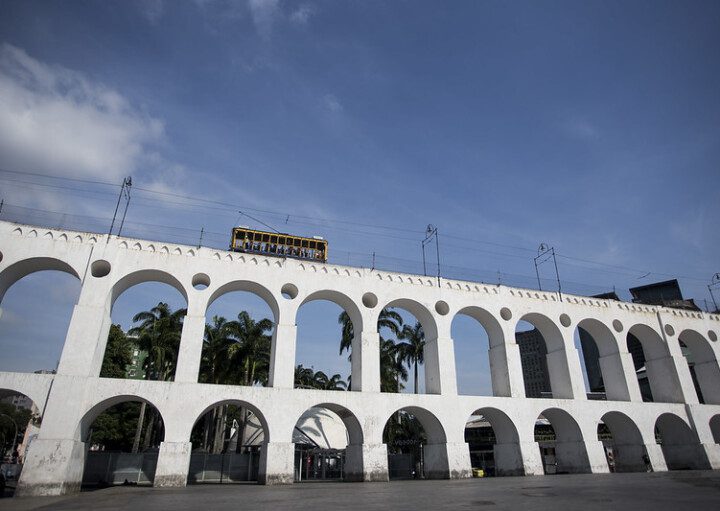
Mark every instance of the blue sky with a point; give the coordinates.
(590, 126)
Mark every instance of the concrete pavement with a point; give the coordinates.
(697, 490)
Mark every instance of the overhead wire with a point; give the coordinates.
(196, 202)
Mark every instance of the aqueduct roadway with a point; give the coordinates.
(106, 267)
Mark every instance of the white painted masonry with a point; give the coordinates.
(108, 266)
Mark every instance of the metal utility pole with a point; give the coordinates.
(714, 282)
(430, 232)
(202, 231)
(544, 250)
(124, 191)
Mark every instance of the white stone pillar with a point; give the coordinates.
(440, 376)
(366, 462)
(506, 370)
(676, 385)
(277, 463)
(366, 362)
(596, 457)
(619, 377)
(173, 464)
(88, 330)
(282, 356)
(563, 383)
(191, 344)
(656, 456)
(665, 384)
(531, 458)
(708, 376)
(52, 467)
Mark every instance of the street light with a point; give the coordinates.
(16, 432)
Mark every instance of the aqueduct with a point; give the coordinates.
(106, 266)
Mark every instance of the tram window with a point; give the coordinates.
(313, 245)
(304, 243)
(296, 242)
(266, 237)
(281, 240)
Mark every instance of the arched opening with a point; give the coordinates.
(680, 445)
(600, 361)
(122, 437)
(478, 339)
(656, 374)
(147, 313)
(239, 325)
(703, 366)
(408, 349)
(544, 361)
(623, 443)
(562, 447)
(494, 443)
(326, 325)
(328, 445)
(37, 298)
(226, 442)
(415, 441)
(19, 426)
(715, 428)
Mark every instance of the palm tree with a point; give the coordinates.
(158, 334)
(216, 343)
(251, 351)
(304, 377)
(387, 319)
(323, 382)
(392, 368)
(413, 350)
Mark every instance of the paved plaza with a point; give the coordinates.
(696, 490)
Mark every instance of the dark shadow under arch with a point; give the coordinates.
(504, 458)
(680, 444)
(569, 445)
(628, 449)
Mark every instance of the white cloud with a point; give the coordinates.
(264, 14)
(332, 103)
(152, 10)
(57, 121)
(580, 128)
(302, 14)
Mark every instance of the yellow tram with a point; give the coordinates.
(278, 244)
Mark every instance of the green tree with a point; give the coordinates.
(334, 382)
(10, 416)
(118, 354)
(387, 319)
(392, 367)
(214, 362)
(413, 349)
(158, 335)
(251, 351)
(304, 377)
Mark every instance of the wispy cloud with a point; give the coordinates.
(302, 15)
(580, 128)
(57, 121)
(152, 10)
(264, 15)
(332, 103)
